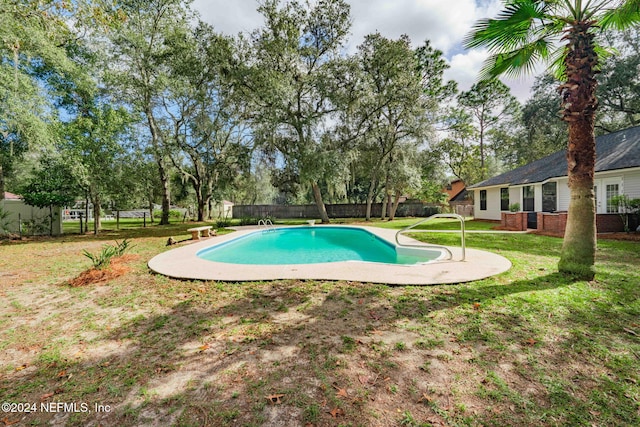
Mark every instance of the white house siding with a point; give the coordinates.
(493, 204)
(564, 195)
(631, 182)
(537, 194)
(515, 195)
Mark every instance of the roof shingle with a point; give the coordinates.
(617, 150)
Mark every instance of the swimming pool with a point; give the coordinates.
(184, 262)
(313, 245)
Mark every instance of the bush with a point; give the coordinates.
(173, 214)
(431, 210)
(36, 226)
(248, 220)
(514, 207)
(223, 222)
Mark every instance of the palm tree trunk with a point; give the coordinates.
(580, 103)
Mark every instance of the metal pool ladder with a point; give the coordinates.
(266, 224)
(454, 216)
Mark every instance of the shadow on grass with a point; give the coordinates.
(206, 364)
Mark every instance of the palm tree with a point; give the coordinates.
(565, 34)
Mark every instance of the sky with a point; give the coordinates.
(443, 22)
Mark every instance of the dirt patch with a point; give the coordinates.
(116, 268)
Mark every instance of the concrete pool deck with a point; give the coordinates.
(183, 263)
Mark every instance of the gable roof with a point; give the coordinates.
(617, 150)
(11, 196)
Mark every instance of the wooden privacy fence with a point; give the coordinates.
(334, 211)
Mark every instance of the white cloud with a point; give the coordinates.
(465, 68)
(229, 16)
(443, 22)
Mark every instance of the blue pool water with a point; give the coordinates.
(311, 245)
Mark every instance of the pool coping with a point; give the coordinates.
(182, 263)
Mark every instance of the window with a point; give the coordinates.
(528, 198)
(613, 190)
(549, 197)
(483, 200)
(504, 199)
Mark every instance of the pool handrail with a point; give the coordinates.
(267, 224)
(445, 215)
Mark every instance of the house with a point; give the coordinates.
(459, 199)
(21, 218)
(540, 188)
(454, 188)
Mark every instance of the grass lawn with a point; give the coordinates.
(529, 347)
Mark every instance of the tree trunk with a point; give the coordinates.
(385, 197)
(151, 206)
(322, 209)
(1, 182)
(372, 187)
(394, 206)
(96, 215)
(200, 201)
(162, 169)
(86, 212)
(579, 101)
(166, 193)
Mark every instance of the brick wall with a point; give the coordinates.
(552, 222)
(557, 222)
(513, 221)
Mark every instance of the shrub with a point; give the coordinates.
(431, 210)
(36, 226)
(173, 214)
(625, 206)
(223, 222)
(103, 258)
(248, 220)
(514, 207)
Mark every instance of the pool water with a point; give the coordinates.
(311, 245)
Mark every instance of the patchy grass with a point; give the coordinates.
(527, 347)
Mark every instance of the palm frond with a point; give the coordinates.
(518, 61)
(512, 27)
(624, 15)
(557, 65)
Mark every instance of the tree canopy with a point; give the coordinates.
(150, 105)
